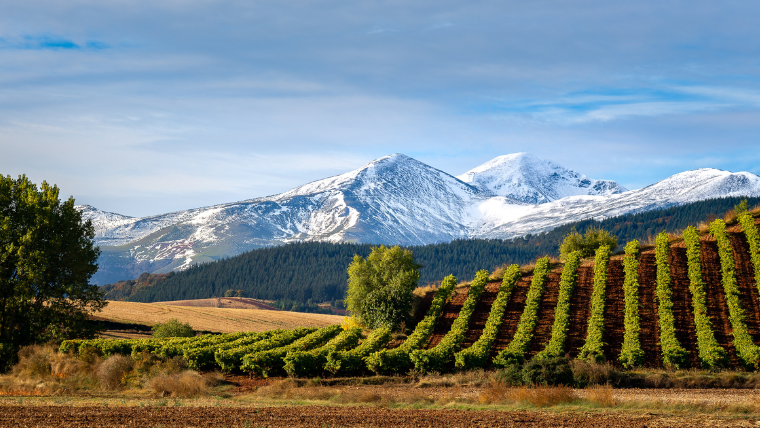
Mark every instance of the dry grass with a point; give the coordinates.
(186, 384)
(112, 372)
(214, 319)
(601, 395)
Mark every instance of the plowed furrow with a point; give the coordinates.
(614, 311)
(682, 306)
(512, 316)
(745, 276)
(482, 311)
(649, 335)
(448, 315)
(580, 309)
(543, 330)
(717, 309)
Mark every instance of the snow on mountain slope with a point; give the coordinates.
(529, 179)
(392, 200)
(502, 219)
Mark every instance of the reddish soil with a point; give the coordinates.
(614, 311)
(682, 306)
(482, 311)
(745, 277)
(717, 309)
(649, 335)
(512, 316)
(543, 331)
(449, 314)
(580, 309)
(322, 416)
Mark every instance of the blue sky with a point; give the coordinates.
(147, 107)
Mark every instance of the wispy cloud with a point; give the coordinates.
(49, 42)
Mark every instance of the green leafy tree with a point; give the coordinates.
(588, 243)
(47, 258)
(173, 328)
(380, 287)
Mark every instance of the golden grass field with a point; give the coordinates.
(222, 320)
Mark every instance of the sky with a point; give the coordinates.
(144, 107)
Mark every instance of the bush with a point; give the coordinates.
(547, 371)
(112, 371)
(673, 354)
(631, 354)
(173, 328)
(711, 354)
(186, 384)
(593, 348)
(586, 244)
(567, 281)
(515, 351)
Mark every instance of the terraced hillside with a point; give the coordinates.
(692, 301)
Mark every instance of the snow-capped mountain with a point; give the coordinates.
(394, 199)
(532, 180)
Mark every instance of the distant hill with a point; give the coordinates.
(313, 272)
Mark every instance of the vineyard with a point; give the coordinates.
(691, 300)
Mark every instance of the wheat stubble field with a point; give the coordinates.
(222, 320)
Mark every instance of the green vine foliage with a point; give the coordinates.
(353, 361)
(673, 354)
(202, 357)
(231, 359)
(748, 352)
(556, 345)
(753, 239)
(269, 362)
(311, 363)
(592, 350)
(476, 356)
(397, 360)
(631, 354)
(441, 356)
(515, 351)
(711, 354)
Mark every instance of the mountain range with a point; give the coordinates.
(393, 200)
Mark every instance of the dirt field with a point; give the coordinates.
(222, 302)
(223, 320)
(319, 416)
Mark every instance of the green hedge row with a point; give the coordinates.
(631, 354)
(353, 361)
(569, 278)
(748, 352)
(592, 350)
(202, 357)
(515, 351)
(231, 359)
(476, 356)
(753, 239)
(387, 361)
(711, 354)
(269, 362)
(673, 354)
(311, 363)
(439, 357)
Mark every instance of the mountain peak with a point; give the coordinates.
(528, 178)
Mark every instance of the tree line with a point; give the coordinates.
(316, 271)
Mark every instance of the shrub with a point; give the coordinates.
(185, 384)
(515, 351)
(631, 354)
(112, 371)
(230, 359)
(354, 361)
(440, 356)
(673, 354)
(310, 363)
(567, 281)
(587, 373)
(711, 354)
(397, 360)
(748, 352)
(592, 349)
(547, 371)
(268, 362)
(477, 355)
(173, 328)
(753, 239)
(586, 244)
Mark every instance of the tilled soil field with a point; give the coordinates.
(318, 416)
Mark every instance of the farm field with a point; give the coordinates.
(222, 302)
(221, 320)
